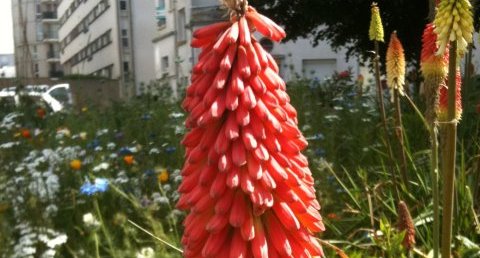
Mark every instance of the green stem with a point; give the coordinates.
(97, 247)
(399, 133)
(449, 154)
(384, 118)
(171, 220)
(436, 201)
(104, 230)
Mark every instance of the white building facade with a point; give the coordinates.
(174, 58)
(35, 29)
(108, 38)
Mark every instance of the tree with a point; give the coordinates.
(345, 23)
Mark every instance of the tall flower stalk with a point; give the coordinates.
(376, 35)
(454, 25)
(396, 81)
(246, 184)
(434, 69)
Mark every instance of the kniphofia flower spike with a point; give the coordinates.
(246, 185)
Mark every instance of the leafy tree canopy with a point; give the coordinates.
(345, 23)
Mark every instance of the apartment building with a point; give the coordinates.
(174, 58)
(108, 38)
(35, 29)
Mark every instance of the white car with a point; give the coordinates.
(57, 97)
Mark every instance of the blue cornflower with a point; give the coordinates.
(170, 150)
(119, 136)
(146, 117)
(125, 151)
(94, 144)
(320, 152)
(149, 172)
(100, 185)
(88, 189)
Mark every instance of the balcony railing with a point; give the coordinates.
(50, 35)
(55, 74)
(53, 55)
(49, 15)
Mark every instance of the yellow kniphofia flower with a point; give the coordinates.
(376, 28)
(454, 22)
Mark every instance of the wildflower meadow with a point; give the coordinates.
(244, 164)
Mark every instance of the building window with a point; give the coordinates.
(165, 65)
(181, 33)
(161, 13)
(126, 66)
(123, 5)
(39, 32)
(36, 70)
(125, 38)
(38, 9)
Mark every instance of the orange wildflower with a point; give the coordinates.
(75, 164)
(41, 113)
(25, 133)
(128, 159)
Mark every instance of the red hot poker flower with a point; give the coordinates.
(434, 69)
(246, 185)
(443, 104)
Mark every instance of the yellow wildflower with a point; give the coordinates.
(163, 176)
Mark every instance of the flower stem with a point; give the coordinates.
(449, 154)
(399, 133)
(104, 230)
(436, 201)
(97, 247)
(381, 105)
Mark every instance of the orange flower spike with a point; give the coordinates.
(396, 64)
(243, 151)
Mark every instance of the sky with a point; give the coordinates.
(6, 31)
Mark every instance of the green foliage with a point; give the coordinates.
(346, 152)
(40, 192)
